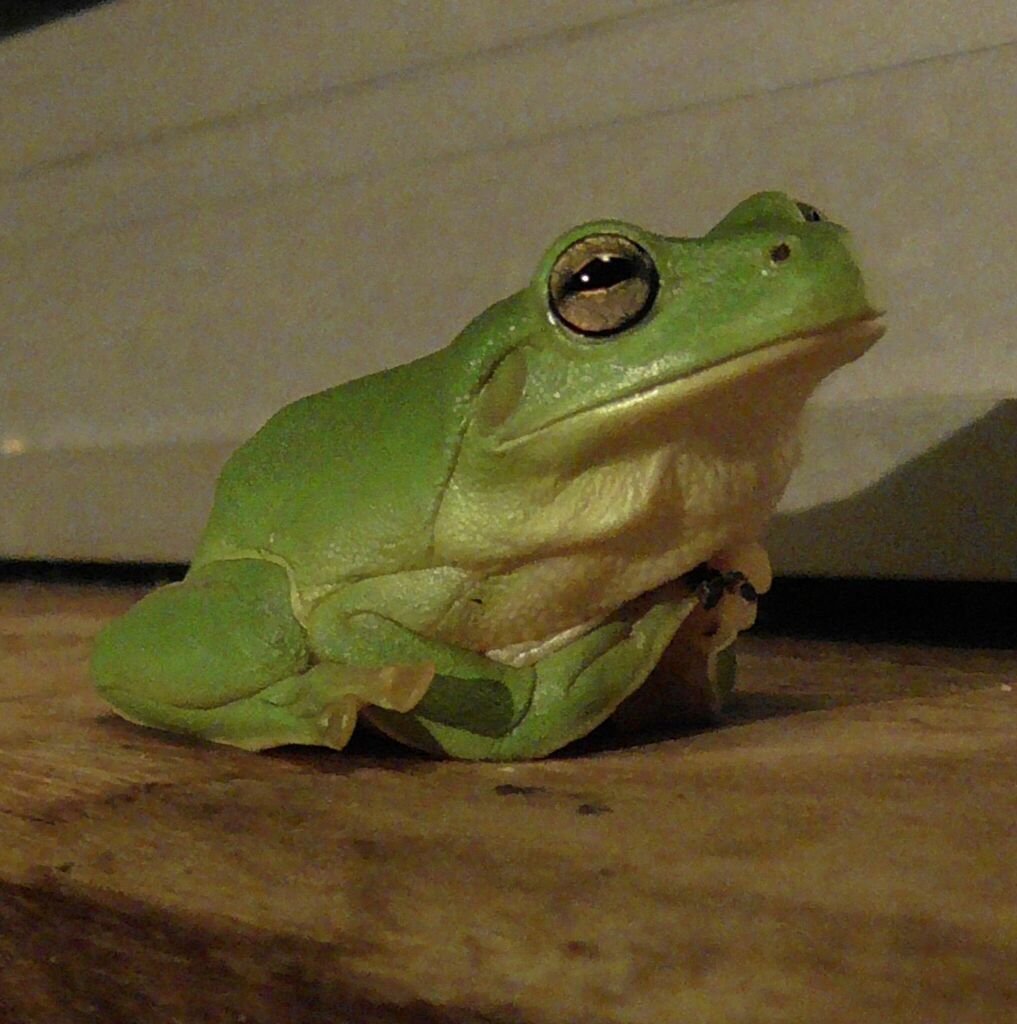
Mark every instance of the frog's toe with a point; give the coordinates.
(329, 696)
(711, 585)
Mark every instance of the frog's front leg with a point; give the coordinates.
(221, 656)
(480, 709)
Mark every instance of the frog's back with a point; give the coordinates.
(344, 483)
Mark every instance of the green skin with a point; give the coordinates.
(478, 550)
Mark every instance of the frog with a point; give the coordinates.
(553, 522)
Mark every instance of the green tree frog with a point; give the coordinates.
(487, 552)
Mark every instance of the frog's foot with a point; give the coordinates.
(221, 657)
(710, 585)
(696, 674)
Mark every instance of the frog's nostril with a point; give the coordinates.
(779, 253)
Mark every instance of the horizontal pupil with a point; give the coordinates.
(602, 272)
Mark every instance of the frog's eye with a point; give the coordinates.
(602, 284)
(810, 213)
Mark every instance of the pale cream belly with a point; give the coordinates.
(720, 506)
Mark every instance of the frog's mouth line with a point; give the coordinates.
(839, 343)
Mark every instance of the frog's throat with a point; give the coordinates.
(830, 347)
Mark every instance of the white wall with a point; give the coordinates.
(209, 209)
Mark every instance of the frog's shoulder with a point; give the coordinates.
(346, 482)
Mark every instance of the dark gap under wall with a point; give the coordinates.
(947, 613)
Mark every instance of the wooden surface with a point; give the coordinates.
(842, 851)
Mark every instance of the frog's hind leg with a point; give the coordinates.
(477, 708)
(221, 656)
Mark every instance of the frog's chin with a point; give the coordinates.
(834, 345)
(812, 354)
(807, 357)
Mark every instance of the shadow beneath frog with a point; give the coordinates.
(744, 709)
(366, 749)
(757, 707)
(131, 737)
(372, 750)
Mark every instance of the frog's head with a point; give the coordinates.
(642, 379)
(619, 321)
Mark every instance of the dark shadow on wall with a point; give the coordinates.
(22, 15)
(950, 512)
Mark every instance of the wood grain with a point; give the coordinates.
(841, 850)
